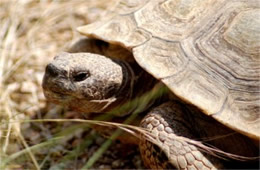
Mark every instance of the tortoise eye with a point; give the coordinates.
(80, 76)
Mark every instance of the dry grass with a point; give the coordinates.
(31, 33)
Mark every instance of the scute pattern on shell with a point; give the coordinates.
(206, 52)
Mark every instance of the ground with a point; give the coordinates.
(31, 33)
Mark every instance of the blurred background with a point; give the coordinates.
(31, 33)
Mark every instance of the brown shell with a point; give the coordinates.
(206, 51)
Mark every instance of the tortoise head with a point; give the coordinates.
(84, 81)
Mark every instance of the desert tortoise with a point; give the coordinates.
(207, 54)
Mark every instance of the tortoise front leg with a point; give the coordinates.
(169, 125)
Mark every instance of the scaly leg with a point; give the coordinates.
(175, 126)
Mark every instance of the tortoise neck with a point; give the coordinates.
(126, 91)
(129, 81)
(136, 82)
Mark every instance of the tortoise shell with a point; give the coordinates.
(206, 51)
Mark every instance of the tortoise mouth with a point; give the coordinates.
(81, 105)
(56, 97)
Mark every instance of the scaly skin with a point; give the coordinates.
(178, 130)
(176, 152)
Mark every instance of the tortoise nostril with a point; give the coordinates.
(52, 70)
(80, 76)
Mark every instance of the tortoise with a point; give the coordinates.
(206, 53)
